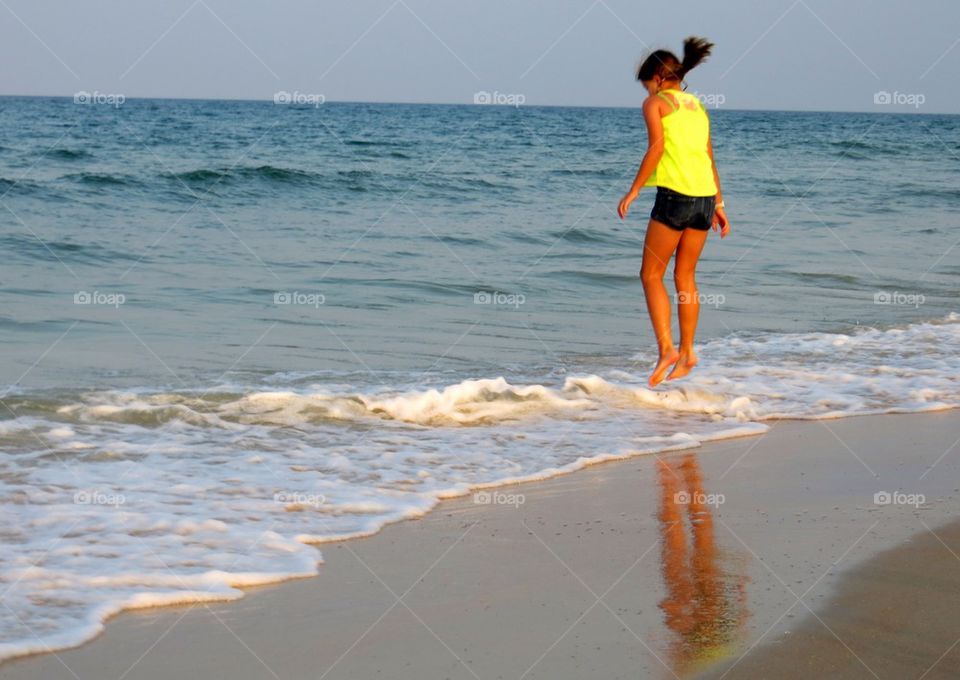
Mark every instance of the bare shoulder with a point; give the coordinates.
(654, 104)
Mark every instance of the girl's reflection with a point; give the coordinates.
(705, 606)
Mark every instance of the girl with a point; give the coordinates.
(679, 162)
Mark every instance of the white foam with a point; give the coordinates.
(137, 498)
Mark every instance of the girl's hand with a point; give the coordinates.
(625, 202)
(720, 219)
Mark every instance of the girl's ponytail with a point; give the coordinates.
(665, 64)
(695, 52)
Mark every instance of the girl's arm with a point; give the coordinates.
(719, 215)
(652, 115)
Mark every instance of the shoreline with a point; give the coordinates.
(725, 560)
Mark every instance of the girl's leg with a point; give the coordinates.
(688, 298)
(658, 247)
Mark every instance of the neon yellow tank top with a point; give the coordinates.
(685, 165)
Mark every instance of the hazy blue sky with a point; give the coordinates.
(771, 54)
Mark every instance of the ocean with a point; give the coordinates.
(233, 331)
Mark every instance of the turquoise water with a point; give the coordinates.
(217, 313)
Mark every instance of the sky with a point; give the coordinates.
(828, 55)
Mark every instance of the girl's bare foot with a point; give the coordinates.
(684, 365)
(665, 362)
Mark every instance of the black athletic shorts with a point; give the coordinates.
(679, 211)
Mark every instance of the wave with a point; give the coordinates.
(461, 240)
(938, 191)
(30, 247)
(25, 187)
(265, 173)
(267, 177)
(200, 175)
(613, 172)
(68, 154)
(860, 149)
(100, 179)
(853, 144)
(578, 235)
(768, 377)
(201, 476)
(275, 174)
(527, 238)
(597, 278)
(817, 278)
(355, 174)
(590, 236)
(459, 185)
(486, 183)
(443, 288)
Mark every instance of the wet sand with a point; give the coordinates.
(897, 616)
(656, 567)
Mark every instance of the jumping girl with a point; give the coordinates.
(679, 162)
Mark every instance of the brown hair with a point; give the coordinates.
(665, 64)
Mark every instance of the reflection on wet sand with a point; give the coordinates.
(705, 606)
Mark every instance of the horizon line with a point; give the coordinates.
(469, 104)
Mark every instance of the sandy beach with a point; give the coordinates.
(758, 554)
